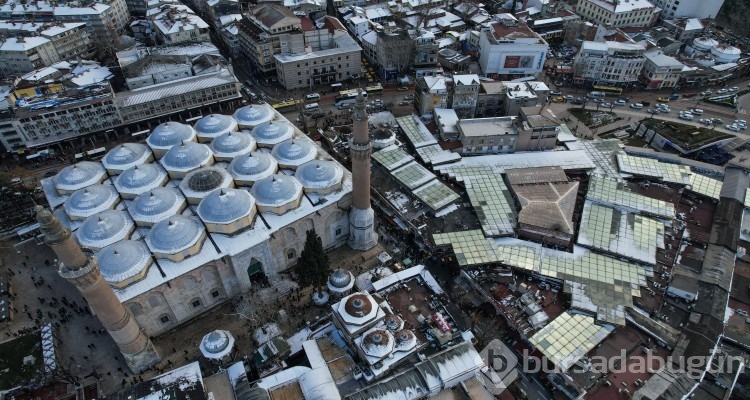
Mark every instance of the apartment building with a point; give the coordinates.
(685, 29)
(431, 92)
(394, 52)
(510, 50)
(70, 41)
(490, 100)
(689, 8)
(660, 71)
(331, 55)
(487, 135)
(519, 95)
(464, 92)
(618, 13)
(267, 30)
(19, 55)
(103, 19)
(609, 63)
(176, 23)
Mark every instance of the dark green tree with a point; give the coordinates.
(313, 267)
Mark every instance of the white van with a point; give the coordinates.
(311, 107)
(312, 97)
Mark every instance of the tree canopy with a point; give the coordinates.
(313, 266)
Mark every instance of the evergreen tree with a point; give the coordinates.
(312, 267)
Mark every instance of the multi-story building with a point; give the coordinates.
(216, 9)
(19, 55)
(536, 132)
(175, 24)
(487, 135)
(618, 13)
(609, 63)
(71, 40)
(431, 92)
(464, 91)
(517, 96)
(104, 20)
(267, 30)
(689, 8)
(425, 53)
(394, 52)
(685, 29)
(330, 56)
(509, 50)
(490, 100)
(660, 70)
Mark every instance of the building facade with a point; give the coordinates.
(19, 55)
(609, 63)
(689, 8)
(176, 24)
(616, 13)
(330, 56)
(660, 71)
(487, 135)
(510, 50)
(267, 30)
(464, 92)
(431, 92)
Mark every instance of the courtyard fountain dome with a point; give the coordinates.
(252, 167)
(200, 182)
(78, 176)
(91, 200)
(320, 176)
(253, 115)
(176, 238)
(231, 145)
(168, 134)
(186, 157)
(124, 263)
(214, 125)
(277, 194)
(269, 134)
(103, 229)
(125, 156)
(294, 152)
(156, 205)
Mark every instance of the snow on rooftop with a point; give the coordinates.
(23, 44)
(174, 88)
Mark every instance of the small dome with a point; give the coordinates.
(405, 340)
(232, 144)
(340, 278)
(273, 132)
(156, 205)
(200, 182)
(168, 134)
(105, 228)
(253, 115)
(125, 156)
(377, 343)
(186, 156)
(174, 235)
(214, 125)
(252, 167)
(225, 206)
(294, 152)
(216, 342)
(124, 262)
(78, 176)
(91, 200)
(140, 178)
(318, 176)
(276, 191)
(358, 305)
(393, 322)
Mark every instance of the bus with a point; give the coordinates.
(609, 89)
(374, 89)
(286, 105)
(346, 99)
(348, 92)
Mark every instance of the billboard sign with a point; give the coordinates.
(523, 62)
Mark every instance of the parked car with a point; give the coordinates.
(555, 93)
(674, 96)
(706, 92)
(717, 121)
(721, 91)
(402, 88)
(568, 97)
(637, 106)
(606, 105)
(625, 99)
(558, 99)
(663, 99)
(740, 122)
(620, 102)
(409, 97)
(733, 128)
(686, 116)
(705, 121)
(697, 111)
(646, 103)
(734, 89)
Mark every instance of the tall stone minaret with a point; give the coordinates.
(83, 272)
(362, 234)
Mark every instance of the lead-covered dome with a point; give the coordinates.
(252, 167)
(340, 281)
(186, 157)
(168, 134)
(268, 134)
(294, 152)
(104, 229)
(124, 263)
(320, 176)
(231, 145)
(125, 156)
(176, 238)
(253, 115)
(78, 176)
(378, 343)
(199, 183)
(140, 179)
(227, 210)
(217, 345)
(277, 194)
(405, 340)
(156, 205)
(91, 200)
(214, 125)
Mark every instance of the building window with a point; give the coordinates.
(215, 294)
(154, 301)
(290, 254)
(196, 303)
(164, 319)
(338, 230)
(135, 309)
